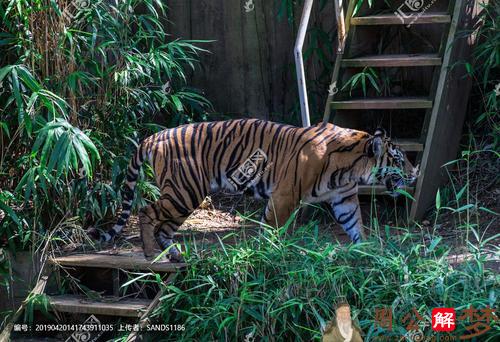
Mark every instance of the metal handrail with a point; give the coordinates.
(299, 63)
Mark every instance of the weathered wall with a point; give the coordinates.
(25, 269)
(250, 71)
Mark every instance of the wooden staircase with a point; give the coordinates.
(109, 305)
(439, 60)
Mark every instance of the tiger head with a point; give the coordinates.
(392, 168)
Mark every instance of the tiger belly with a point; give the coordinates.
(256, 189)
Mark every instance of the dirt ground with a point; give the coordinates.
(221, 217)
(230, 218)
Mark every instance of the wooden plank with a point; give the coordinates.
(409, 145)
(129, 307)
(379, 190)
(392, 19)
(126, 262)
(383, 103)
(399, 60)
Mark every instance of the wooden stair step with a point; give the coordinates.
(399, 60)
(409, 145)
(126, 307)
(383, 103)
(393, 19)
(127, 262)
(379, 190)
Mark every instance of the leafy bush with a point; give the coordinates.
(81, 83)
(283, 286)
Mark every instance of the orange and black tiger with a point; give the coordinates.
(286, 165)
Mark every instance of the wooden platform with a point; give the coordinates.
(129, 261)
(392, 19)
(129, 307)
(383, 103)
(409, 145)
(399, 60)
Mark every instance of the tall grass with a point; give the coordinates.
(283, 285)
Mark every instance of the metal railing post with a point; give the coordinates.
(299, 63)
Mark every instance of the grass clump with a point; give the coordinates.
(283, 285)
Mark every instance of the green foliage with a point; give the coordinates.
(81, 83)
(283, 285)
(10, 223)
(4, 269)
(486, 72)
(36, 302)
(64, 147)
(361, 78)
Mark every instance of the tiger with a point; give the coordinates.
(283, 164)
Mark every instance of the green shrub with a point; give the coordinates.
(283, 286)
(81, 83)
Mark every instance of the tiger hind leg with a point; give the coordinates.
(147, 226)
(158, 223)
(164, 236)
(346, 211)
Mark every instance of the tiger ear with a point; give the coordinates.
(380, 132)
(378, 142)
(378, 146)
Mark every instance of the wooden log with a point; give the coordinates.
(37, 290)
(144, 320)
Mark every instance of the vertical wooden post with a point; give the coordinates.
(299, 63)
(446, 118)
(116, 282)
(343, 25)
